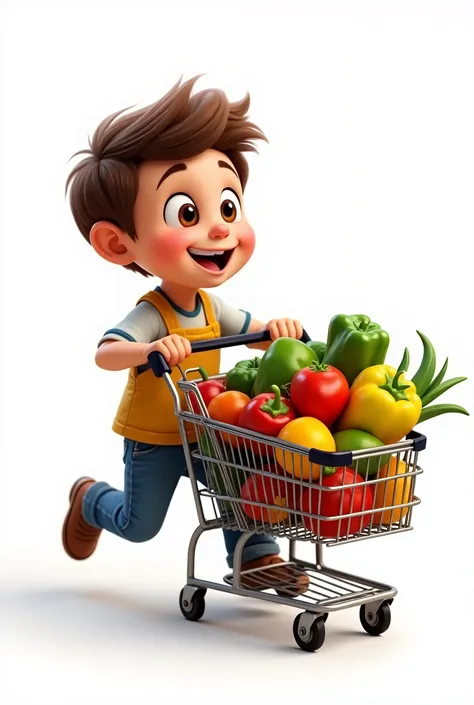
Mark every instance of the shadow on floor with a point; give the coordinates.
(141, 620)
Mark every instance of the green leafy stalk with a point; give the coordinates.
(403, 366)
(436, 392)
(439, 378)
(423, 376)
(438, 409)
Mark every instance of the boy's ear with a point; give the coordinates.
(111, 243)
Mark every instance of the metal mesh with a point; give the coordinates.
(270, 487)
(326, 588)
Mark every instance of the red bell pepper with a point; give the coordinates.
(337, 502)
(209, 389)
(267, 413)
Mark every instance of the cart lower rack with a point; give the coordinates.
(260, 485)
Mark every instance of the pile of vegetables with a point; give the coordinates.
(339, 395)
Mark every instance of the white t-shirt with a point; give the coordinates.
(144, 324)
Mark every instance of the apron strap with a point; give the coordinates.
(165, 310)
(208, 307)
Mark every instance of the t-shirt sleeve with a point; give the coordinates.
(233, 321)
(142, 325)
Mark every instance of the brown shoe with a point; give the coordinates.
(79, 538)
(285, 578)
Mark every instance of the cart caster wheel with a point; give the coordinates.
(194, 609)
(309, 639)
(375, 623)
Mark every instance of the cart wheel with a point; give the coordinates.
(376, 623)
(193, 610)
(312, 639)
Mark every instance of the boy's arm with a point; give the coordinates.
(130, 342)
(256, 327)
(117, 355)
(114, 355)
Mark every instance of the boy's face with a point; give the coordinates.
(190, 221)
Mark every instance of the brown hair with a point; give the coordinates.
(103, 186)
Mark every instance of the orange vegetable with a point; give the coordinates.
(392, 492)
(227, 407)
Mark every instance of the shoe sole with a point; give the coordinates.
(72, 496)
(281, 584)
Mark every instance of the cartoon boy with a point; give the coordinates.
(160, 192)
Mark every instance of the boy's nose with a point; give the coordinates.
(219, 232)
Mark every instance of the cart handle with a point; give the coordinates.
(344, 458)
(160, 367)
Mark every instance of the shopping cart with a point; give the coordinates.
(282, 474)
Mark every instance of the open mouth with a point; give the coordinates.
(212, 260)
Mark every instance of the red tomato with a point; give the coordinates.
(354, 499)
(268, 490)
(209, 388)
(320, 391)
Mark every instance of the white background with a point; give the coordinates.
(362, 202)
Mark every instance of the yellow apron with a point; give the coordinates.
(146, 411)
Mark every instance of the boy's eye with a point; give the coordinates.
(230, 206)
(180, 211)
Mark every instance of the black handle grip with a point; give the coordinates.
(159, 365)
(345, 458)
(419, 441)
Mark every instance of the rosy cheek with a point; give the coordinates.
(170, 248)
(247, 239)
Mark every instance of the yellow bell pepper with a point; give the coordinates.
(382, 402)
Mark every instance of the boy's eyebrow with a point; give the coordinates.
(176, 167)
(225, 165)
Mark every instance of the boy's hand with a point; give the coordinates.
(174, 349)
(284, 328)
(278, 328)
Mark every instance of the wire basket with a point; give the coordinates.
(263, 485)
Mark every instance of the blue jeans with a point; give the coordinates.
(137, 513)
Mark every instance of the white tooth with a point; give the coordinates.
(205, 253)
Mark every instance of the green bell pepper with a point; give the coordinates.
(317, 347)
(281, 361)
(241, 378)
(355, 343)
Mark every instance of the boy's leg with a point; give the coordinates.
(137, 513)
(259, 551)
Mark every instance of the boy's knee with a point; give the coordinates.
(137, 532)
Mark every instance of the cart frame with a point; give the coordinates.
(329, 590)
